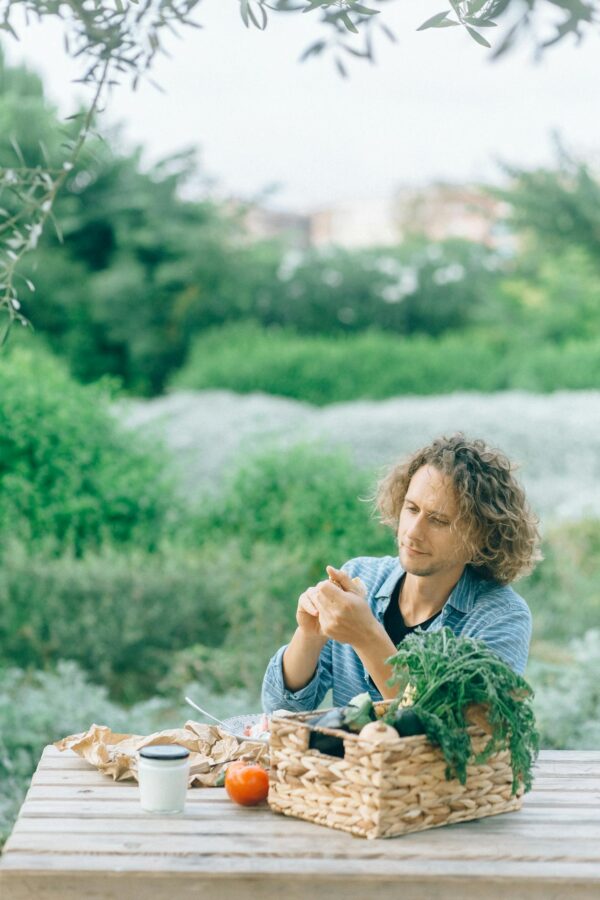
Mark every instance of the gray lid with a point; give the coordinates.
(164, 751)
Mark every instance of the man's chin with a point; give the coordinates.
(415, 566)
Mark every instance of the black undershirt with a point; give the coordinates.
(394, 623)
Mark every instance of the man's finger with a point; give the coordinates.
(340, 578)
(308, 605)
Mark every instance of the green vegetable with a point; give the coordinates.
(407, 723)
(359, 712)
(449, 674)
(327, 743)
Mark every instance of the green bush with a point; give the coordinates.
(574, 365)
(124, 614)
(567, 700)
(119, 615)
(70, 475)
(305, 498)
(257, 589)
(375, 365)
(564, 590)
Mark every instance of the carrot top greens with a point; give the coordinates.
(448, 674)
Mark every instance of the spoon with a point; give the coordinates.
(241, 737)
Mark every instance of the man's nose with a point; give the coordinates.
(415, 529)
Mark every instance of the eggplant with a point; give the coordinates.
(330, 744)
(407, 723)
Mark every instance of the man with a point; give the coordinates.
(464, 532)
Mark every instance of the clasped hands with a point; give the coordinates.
(336, 609)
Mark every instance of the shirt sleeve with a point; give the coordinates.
(275, 695)
(509, 636)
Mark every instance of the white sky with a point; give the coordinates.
(432, 107)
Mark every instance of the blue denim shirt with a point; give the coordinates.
(476, 608)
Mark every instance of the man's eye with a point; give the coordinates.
(438, 522)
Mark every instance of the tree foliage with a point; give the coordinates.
(552, 289)
(117, 39)
(559, 205)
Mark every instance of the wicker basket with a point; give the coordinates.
(381, 791)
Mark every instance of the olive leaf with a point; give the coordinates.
(479, 38)
(440, 20)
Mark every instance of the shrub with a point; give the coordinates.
(257, 590)
(120, 615)
(307, 498)
(567, 701)
(564, 590)
(574, 365)
(321, 370)
(375, 365)
(70, 475)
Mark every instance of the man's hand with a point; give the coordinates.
(307, 614)
(337, 609)
(340, 607)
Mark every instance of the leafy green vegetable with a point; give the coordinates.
(450, 674)
(407, 723)
(359, 712)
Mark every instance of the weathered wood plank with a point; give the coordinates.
(562, 818)
(164, 825)
(107, 885)
(480, 829)
(377, 866)
(578, 782)
(85, 776)
(113, 790)
(568, 755)
(85, 808)
(72, 763)
(572, 769)
(428, 845)
(562, 798)
(116, 809)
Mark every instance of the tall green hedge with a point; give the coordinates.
(70, 475)
(375, 365)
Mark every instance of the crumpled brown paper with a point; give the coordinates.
(211, 750)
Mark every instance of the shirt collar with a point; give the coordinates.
(463, 597)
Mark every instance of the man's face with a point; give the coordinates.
(427, 545)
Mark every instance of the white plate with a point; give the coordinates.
(238, 723)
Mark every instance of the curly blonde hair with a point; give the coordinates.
(495, 521)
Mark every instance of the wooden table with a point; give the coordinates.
(80, 835)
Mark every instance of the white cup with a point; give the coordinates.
(163, 771)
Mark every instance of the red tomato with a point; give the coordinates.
(246, 784)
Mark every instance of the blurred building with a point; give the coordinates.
(266, 224)
(358, 223)
(438, 212)
(444, 211)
